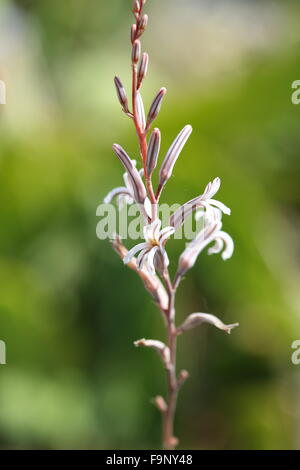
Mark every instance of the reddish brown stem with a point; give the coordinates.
(169, 440)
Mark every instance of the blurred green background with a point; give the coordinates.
(69, 309)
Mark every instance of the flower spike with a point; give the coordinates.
(149, 258)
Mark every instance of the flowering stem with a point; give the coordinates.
(152, 262)
(169, 441)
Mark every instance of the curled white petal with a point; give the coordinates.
(156, 228)
(165, 233)
(165, 256)
(150, 259)
(141, 257)
(217, 247)
(124, 200)
(151, 231)
(199, 215)
(121, 190)
(210, 213)
(220, 205)
(212, 188)
(131, 253)
(229, 245)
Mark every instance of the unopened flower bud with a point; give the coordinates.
(153, 151)
(172, 155)
(172, 442)
(143, 68)
(183, 376)
(121, 94)
(136, 7)
(140, 111)
(160, 403)
(155, 106)
(135, 177)
(186, 262)
(136, 52)
(133, 33)
(142, 25)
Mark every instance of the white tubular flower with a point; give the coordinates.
(212, 205)
(204, 201)
(155, 239)
(210, 233)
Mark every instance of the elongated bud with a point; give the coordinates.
(172, 155)
(135, 177)
(133, 33)
(136, 7)
(196, 319)
(186, 262)
(136, 52)
(142, 25)
(143, 68)
(183, 376)
(153, 151)
(155, 106)
(140, 110)
(160, 403)
(121, 94)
